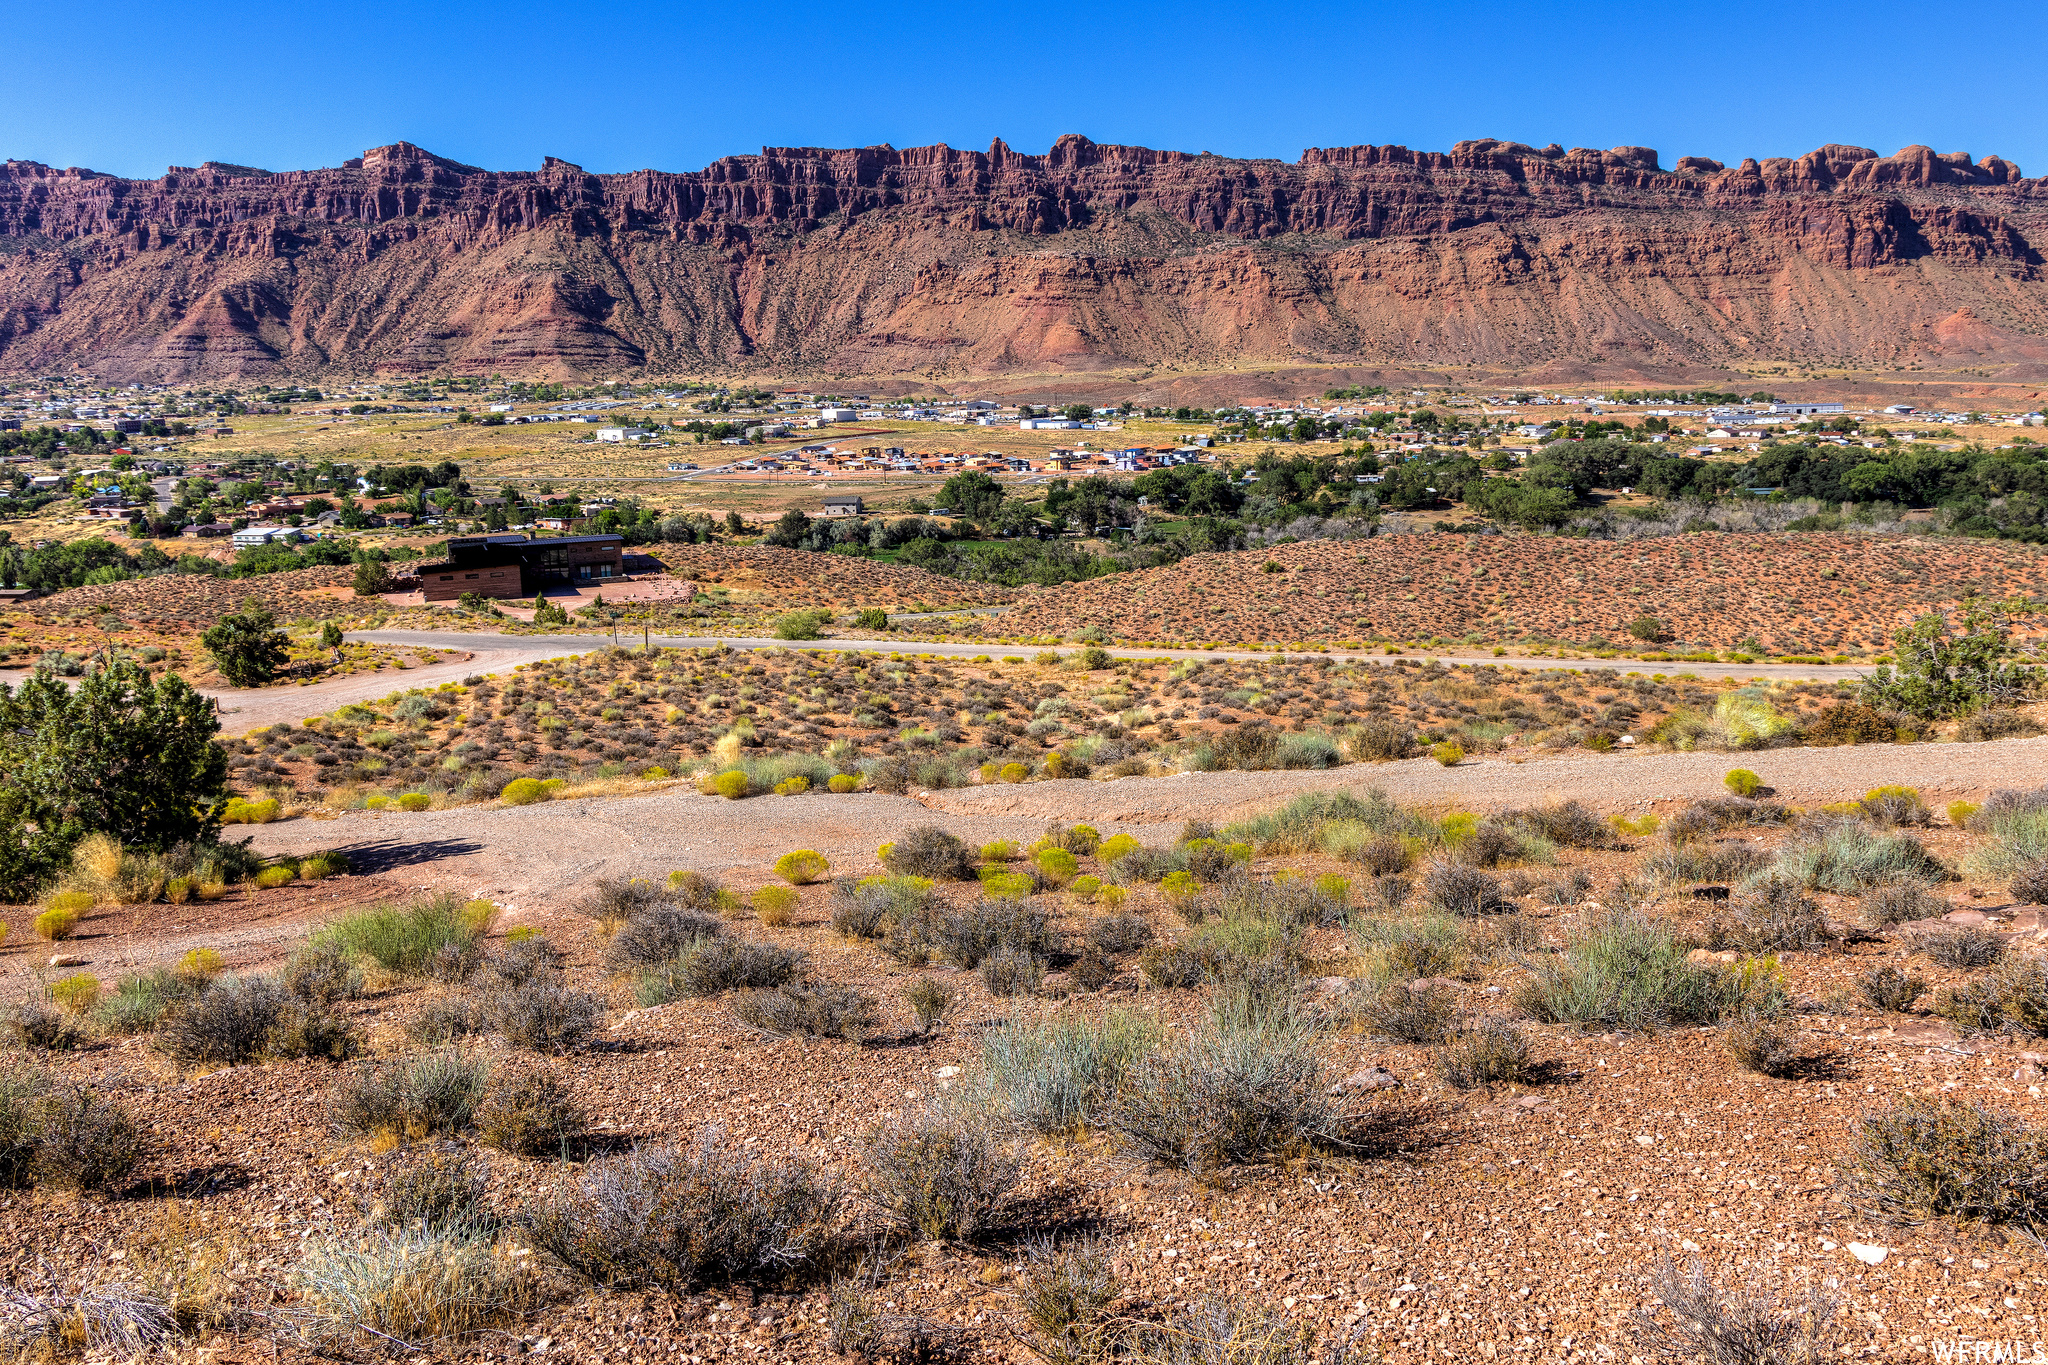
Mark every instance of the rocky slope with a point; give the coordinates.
(934, 262)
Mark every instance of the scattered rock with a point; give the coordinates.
(2026, 1073)
(1868, 1254)
(1366, 1080)
(1969, 917)
(68, 960)
(1705, 955)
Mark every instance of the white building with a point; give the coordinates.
(611, 433)
(837, 414)
(251, 537)
(1048, 424)
(1806, 409)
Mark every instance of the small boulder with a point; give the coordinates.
(68, 960)
(1365, 1080)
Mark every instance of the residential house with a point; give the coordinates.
(252, 537)
(848, 506)
(512, 566)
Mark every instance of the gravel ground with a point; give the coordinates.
(517, 854)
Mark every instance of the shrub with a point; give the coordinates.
(409, 1286)
(522, 791)
(2016, 993)
(415, 801)
(1961, 947)
(1380, 741)
(808, 1010)
(1180, 889)
(1763, 1042)
(1450, 753)
(1625, 970)
(1410, 947)
(446, 1019)
(1109, 851)
(1852, 722)
(242, 812)
(1996, 722)
(36, 1026)
(270, 878)
(1947, 1157)
(412, 1097)
(77, 992)
(717, 965)
(406, 939)
(839, 784)
(1750, 1326)
(1123, 933)
(1406, 1014)
(1065, 1296)
(1771, 917)
(928, 851)
(529, 1113)
(1459, 890)
(138, 1003)
(659, 934)
(1489, 1050)
(1890, 988)
(775, 905)
(672, 1219)
(86, 1141)
(1846, 856)
(1248, 1086)
(929, 1000)
(1743, 782)
(439, 1189)
(1051, 1075)
(53, 926)
(1893, 806)
(942, 1176)
(2029, 884)
(1012, 971)
(227, 1025)
(732, 784)
(801, 867)
(1013, 772)
(1897, 902)
(1058, 866)
(971, 935)
(322, 974)
(545, 1016)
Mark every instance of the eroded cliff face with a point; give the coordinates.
(944, 263)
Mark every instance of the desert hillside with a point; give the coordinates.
(937, 263)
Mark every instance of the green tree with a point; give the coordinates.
(972, 494)
(1077, 412)
(372, 577)
(1948, 668)
(733, 525)
(122, 755)
(247, 647)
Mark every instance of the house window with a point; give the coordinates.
(605, 571)
(469, 575)
(447, 578)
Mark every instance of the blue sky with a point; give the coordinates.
(130, 87)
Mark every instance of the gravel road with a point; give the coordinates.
(516, 854)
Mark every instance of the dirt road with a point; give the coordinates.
(553, 851)
(492, 653)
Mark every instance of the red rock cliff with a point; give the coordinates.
(937, 261)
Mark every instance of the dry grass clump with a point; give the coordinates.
(66, 1137)
(1762, 1041)
(1247, 1086)
(659, 933)
(810, 1009)
(428, 1095)
(1771, 917)
(928, 851)
(1898, 902)
(432, 936)
(1408, 1012)
(1942, 1157)
(530, 1113)
(411, 1287)
(1890, 987)
(672, 1218)
(1456, 889)
(1960, 947)
(1066, 1296)
(1705, 1324)
(1054, 1075)
(1624, 969)
(436, 1189)
(1489, 1050)
(109, 1320)
(1226, 1331)
(233, 1021)
(2014, 995)
(544, 1015)
(942, 1176)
